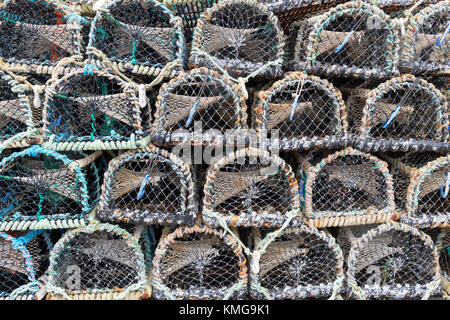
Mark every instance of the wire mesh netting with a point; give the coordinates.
(139, 36)
(200, 96)
(426, 49)
(348, 187)
(406, 109)
(393, 261)
(91, 107)
(241, 37)
(39, 189)
(15, 107)
(34, 33)
(301, 107)
(149, 185)
(249, 187)
(97, 262)
(199, 263)
(301, 263)
(24, 259)
(353, 39)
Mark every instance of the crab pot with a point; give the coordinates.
(91, 109)
(148, 185)
(42, 189)
(426, 45)
(24, 259)
(427, 191)
(140, 37)
(199, 263)
(249, 187)
(306, 111)
(402, 114)
(348, 187)
(242, 37)
(97, 262)
(300, 263)
(15, 107)
(354, 39)
(35, 36)
(199, 96)
(394, 261)
(441, 238)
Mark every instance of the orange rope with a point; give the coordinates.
(54, 49)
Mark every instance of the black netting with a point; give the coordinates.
(299, 264)
(91, 107)
(35, 31)
(137, 32)
(100, 260)
(40, 186)
(200, 96)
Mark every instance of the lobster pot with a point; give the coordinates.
(242, 37)
(289, 11)
(398, 8)
(189, 11)
(97, 262)
(304, 109)
(91, 109)
(138, 36)
(15, 107)
(402, 114)
(348, 187)
(441, 238)
(402, 167)
(427, 193)
(199, 97)
(24, 259)
(393, 261)
(148, 185)
(354, 39)
(300, 263)
(199, 263)
(249, 187)
(42, 189)
(426, 46)
(34, 35)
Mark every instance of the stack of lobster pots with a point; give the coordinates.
(233, 149)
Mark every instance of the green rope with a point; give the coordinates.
(133, 53)
(41, 199)
(93, 127)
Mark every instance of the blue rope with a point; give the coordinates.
(391, 118)
(142, 188)
(71, 17)
(24, 240)
(444, 194)
(339, 47)
(191, 114)
(3, 199)
(89, 68)
(438, 43)
(56, 122)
